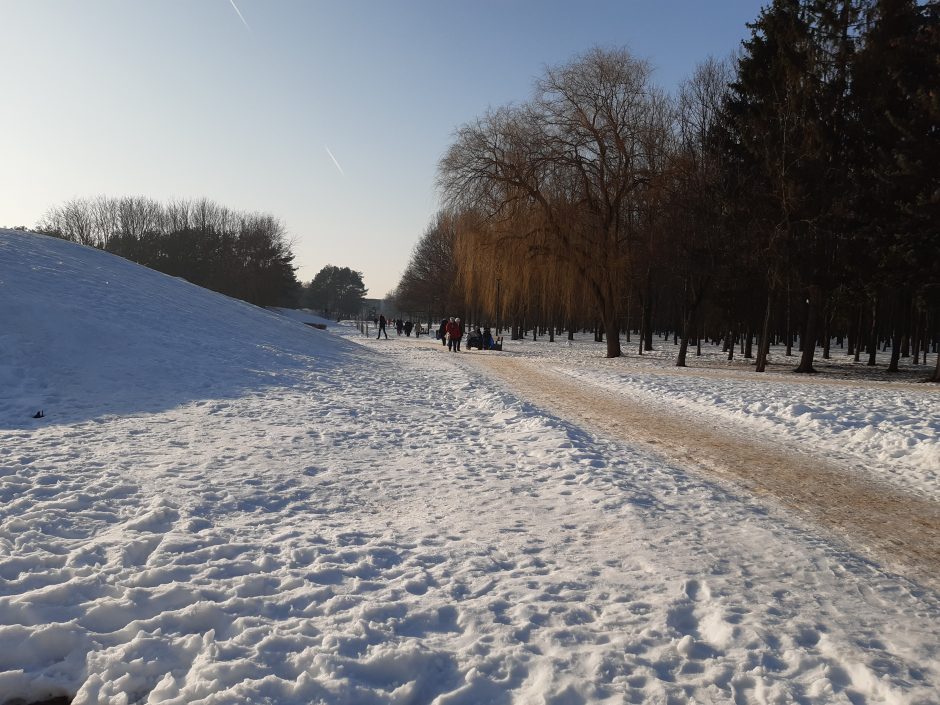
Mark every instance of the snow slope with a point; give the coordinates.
(223, 505)
(83, 333)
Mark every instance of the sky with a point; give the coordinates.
(331, 116)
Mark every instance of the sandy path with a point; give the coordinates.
(893, 528)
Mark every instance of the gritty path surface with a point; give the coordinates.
(896, 529)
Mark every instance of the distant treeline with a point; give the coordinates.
(243, 255)
(790, 194)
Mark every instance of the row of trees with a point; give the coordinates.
(791, 193)
(428, 285)
(244, 255)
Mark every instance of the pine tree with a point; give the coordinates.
(898, 179)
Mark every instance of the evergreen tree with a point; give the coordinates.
(336, 292)
(898, 187)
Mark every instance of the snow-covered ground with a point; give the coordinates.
(887, 428)
(223, 505)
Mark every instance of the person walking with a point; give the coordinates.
(459, 333)
(382, 327)
(453, 334)
(442, 332)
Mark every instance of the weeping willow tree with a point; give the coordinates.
(503, 276)
(556, 182)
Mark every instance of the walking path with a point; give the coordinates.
(894, 528)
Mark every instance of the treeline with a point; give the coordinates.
(791, 194)
(243, 255)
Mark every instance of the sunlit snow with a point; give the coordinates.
(224, 505)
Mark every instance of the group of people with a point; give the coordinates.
(484, 340)
(450, 333)
(400, 327)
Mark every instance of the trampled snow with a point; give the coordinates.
(223, 505)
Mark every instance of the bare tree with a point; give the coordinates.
(558, 176)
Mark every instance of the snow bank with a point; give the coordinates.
(84, 333)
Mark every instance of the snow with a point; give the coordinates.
(889, 431)
(223, 505)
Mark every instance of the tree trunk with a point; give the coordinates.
(858, 333)
(612, 327)
(936, 372)
(641, 333)
(895, 349)
(873, 334)
(764, 348)
(648, 318)
(808, 338)
(687, 326)
(901, 330)
(627, 319)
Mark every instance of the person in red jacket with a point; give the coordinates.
(453, 334)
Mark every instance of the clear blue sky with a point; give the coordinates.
(179, 98)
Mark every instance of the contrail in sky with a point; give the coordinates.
(235, 7)
(334, 160)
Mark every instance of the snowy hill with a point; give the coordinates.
(84, 333)
(224, 505)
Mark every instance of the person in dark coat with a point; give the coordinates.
(442, 332)
(382, 327)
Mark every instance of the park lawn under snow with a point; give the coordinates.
(223, 505)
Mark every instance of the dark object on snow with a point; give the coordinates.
(484, 340)
(38, 414)
(318, 326)
(475, 340)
